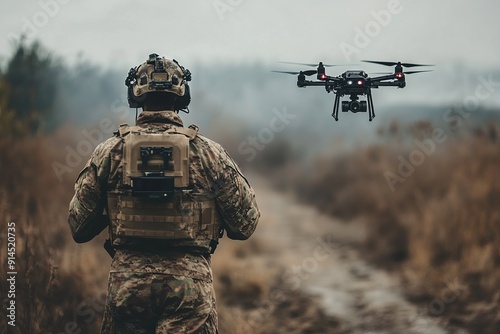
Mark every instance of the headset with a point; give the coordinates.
(181, 102)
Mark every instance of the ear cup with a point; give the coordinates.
(131, 79)
(182, 102)
(133, 102)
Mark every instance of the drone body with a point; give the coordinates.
(354, 84)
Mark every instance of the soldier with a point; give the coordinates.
(166, 193)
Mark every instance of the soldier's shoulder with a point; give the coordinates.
(107, 145)
(210, 150)
(208, 143)
(104, 149)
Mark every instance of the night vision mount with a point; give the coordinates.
(354, 84)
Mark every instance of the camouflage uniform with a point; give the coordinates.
(154, 288)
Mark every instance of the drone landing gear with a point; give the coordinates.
(335, 113)
(371, 111)
(354, 105)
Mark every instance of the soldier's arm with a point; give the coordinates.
(86, 218)
(235, 199)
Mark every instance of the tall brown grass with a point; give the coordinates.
(60, 286)
(440, 226)
(50, 286)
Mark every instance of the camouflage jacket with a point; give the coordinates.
(211, 170)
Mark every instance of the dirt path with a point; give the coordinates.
(322, 259)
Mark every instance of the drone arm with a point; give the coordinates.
(384, 77)
(380, 81)
(400, 84)
(314, 83)
(329, 82)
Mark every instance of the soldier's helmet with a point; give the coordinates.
(161, 75)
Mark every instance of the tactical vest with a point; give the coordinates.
(154, 204)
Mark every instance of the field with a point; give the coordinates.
(60, 286)
(432, 214)
(437, 232)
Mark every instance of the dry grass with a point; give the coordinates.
(60, 283)
(49, 283)
(440, 225)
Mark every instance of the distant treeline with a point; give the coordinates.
(39, 92)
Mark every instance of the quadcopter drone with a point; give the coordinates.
(354, 83)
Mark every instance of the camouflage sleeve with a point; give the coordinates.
(86, 218)
(235, 199)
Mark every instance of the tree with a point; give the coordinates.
(31, 78)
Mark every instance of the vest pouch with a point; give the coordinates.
(144, 218)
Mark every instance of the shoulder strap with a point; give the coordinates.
(125, 129)
(190, 132)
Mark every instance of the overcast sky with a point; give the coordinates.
(121, 33)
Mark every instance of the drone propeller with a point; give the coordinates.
(307, 73)
(306, 64)
(406, 72)
(412, 72)
(391, 63)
